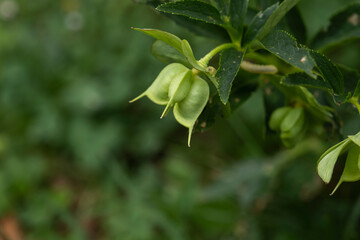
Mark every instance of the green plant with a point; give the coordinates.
(263, 43)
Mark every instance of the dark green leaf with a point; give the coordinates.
(351, 84)
(276, 17)
(223, 6)
(296, 25)
(302, 79)
(193, 9)
(258, 23)
(329, 71)
(201, 28)
(343, 26)
(238, 9)
(283, 45)
(166, 37)
(230, 61)
(168, 54)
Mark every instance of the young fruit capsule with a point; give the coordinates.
(189, 109)
(277, 117)
(158, 92)
(293, 127)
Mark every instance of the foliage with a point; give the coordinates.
(79, 162)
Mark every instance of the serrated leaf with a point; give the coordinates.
(258, 22)
(166, 37)
(283, 45)
(329, 71)
(223, 6)
(351, 84)
(167, 54)
(193, 9)
(327, 161)
(201, 28)
(276, 17)
(296, 26)
(230, 61)
(238, 9)
(344, 25)
(302, 79)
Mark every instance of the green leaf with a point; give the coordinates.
(276, 17)
(344, 25)
(230, 61)
(193, 9)
(258, 22)
(238, 9)
(351, 171)
(355, 138)
(301, 79)
(223, 6)
(187, 51)
(329, 71)
(166, 37)
(201, 28)
(351, 84)
(327, 161)
(168, 54)
(283, 45)
(295, 25)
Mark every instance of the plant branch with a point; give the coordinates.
(205, 60)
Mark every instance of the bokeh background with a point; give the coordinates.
(77, 161)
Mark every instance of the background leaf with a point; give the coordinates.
(258, 22)
(343, 26)
(238, 10)
(276, 17)
(193, 9)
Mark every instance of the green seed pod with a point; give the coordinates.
(178, 89)
(158, 92)
(277, 117)
(189, 109)
(293, 127)
(291, 119)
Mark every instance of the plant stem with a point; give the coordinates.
(205, 60)
(355, 102)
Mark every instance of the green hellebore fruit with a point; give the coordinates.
(189, 109)
(169, 80)
(277, 117)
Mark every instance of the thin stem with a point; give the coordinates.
(355, 102)
(205, 60)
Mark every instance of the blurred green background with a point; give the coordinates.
(77, 161)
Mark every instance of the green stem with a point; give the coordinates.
(205, 60)
(355, 102)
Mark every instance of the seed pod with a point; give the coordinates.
(295, 134)
(189, 109)
(291, 119)
(178, 89)
(277, 117)
(158, 92)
